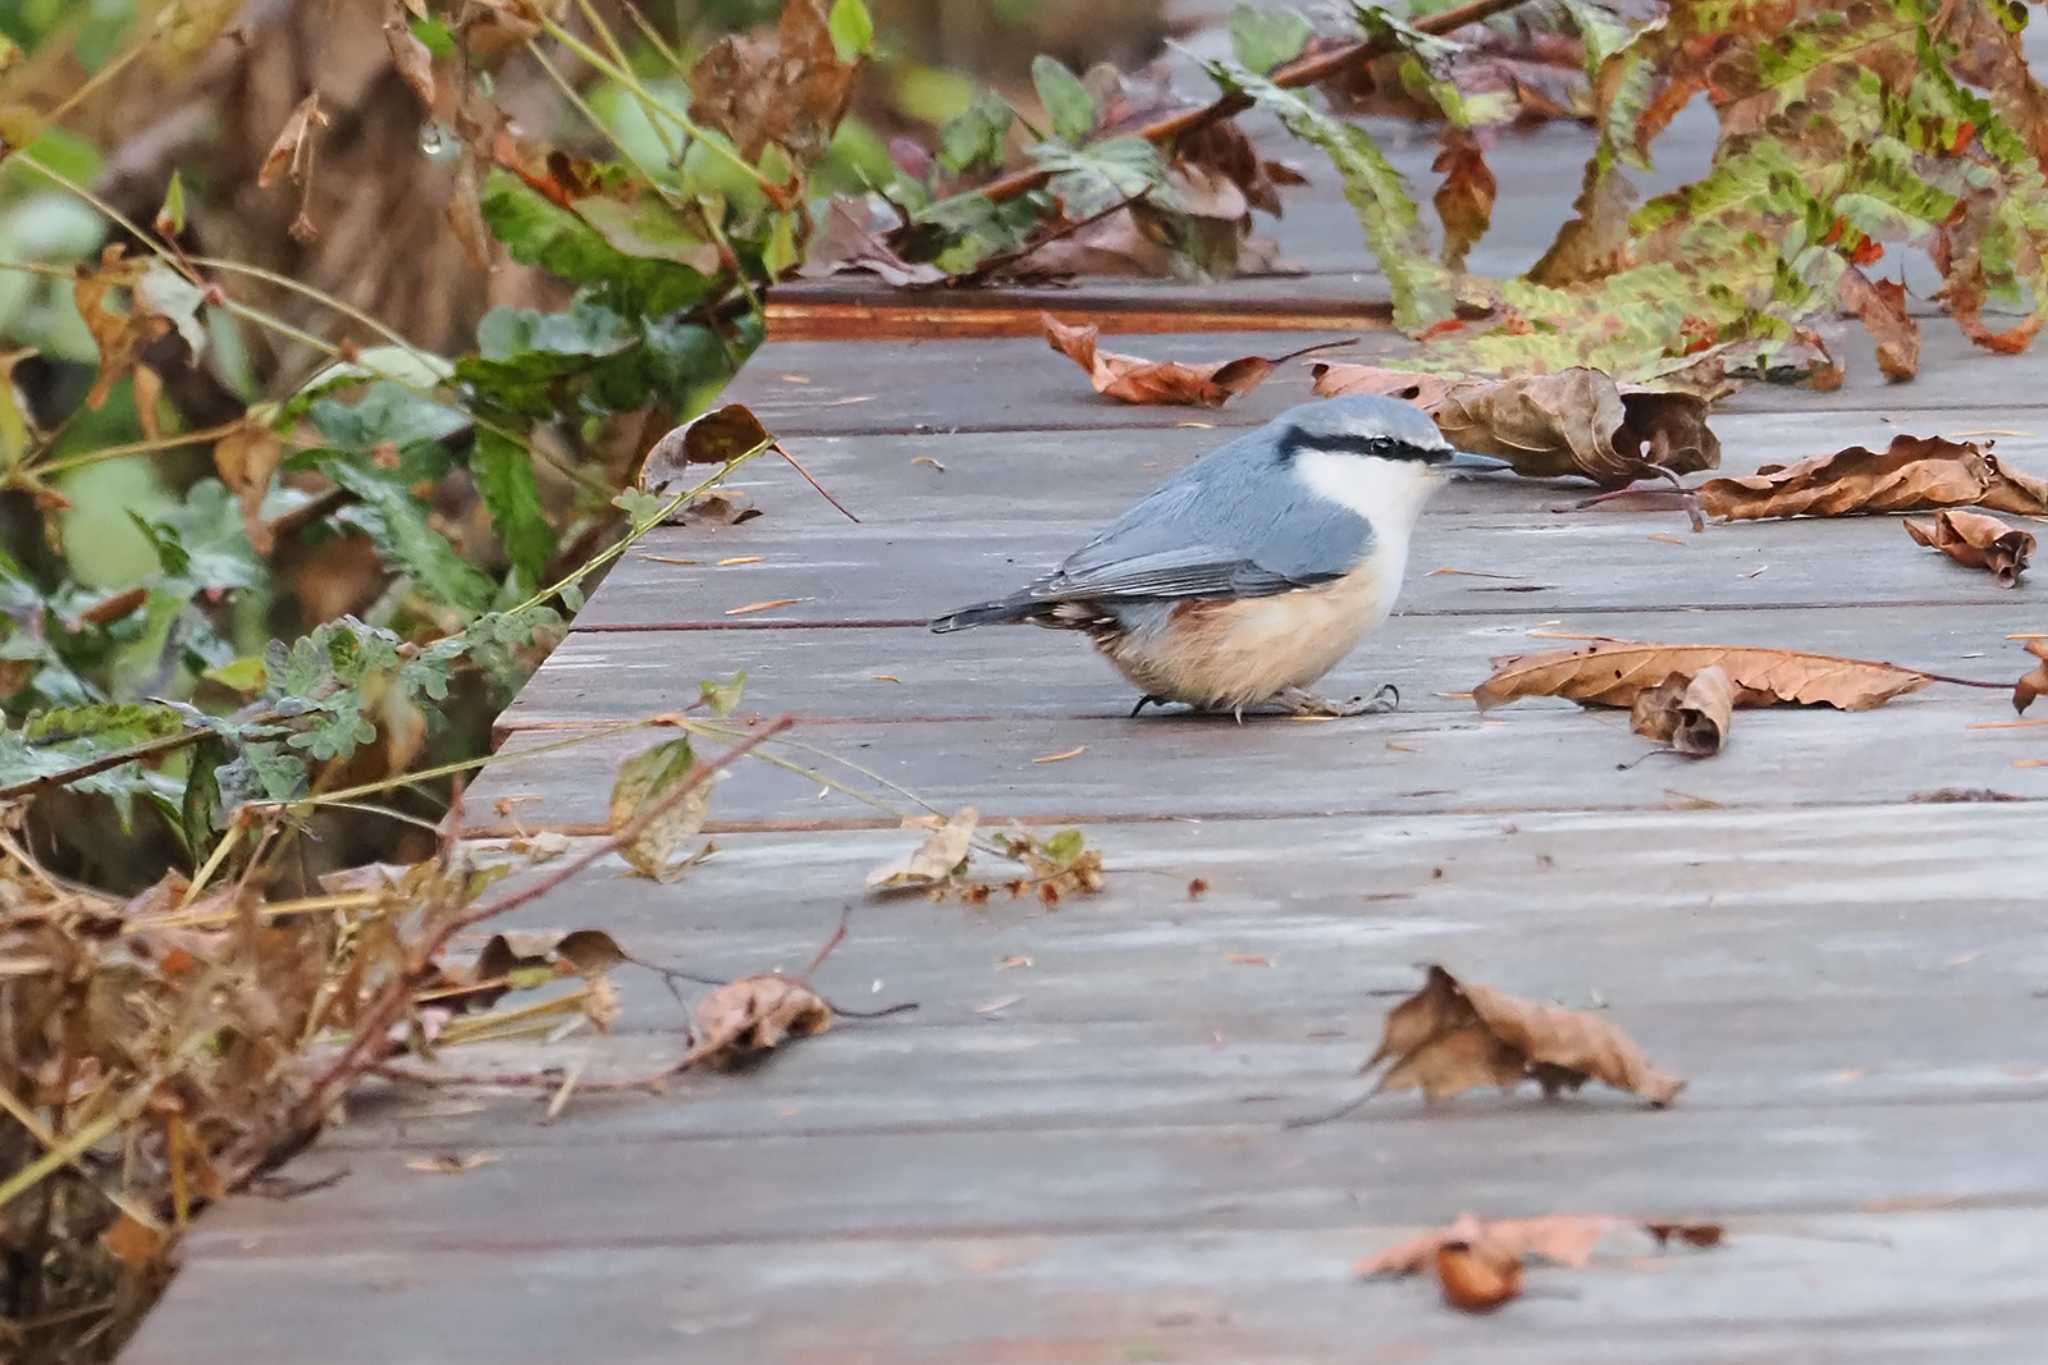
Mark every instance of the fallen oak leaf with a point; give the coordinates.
(1575, 421)
(1691, 713)
(2034, 684)
(1914, 473)
(1615, 673)
(941, 856)
(1451, 1036)
(1133, 379)
(1978, 540)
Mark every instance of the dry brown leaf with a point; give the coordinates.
(134, 1244)
(1135, 380)
(1915, 473)
(410, 56)
(790, 89)
(1565, 1239)
(1691, 713)
(1477, 1277)
(2034, 684)
(944, 850)
(1612, 673)
(293, 147)
(1576, 421)
(1464, 201)
(1978, 540)
(743, 1020)
(246, 458)
(1451, 1036)
(1881, 305)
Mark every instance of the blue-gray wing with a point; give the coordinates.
(1237, 524)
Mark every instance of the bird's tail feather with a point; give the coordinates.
(984, 614)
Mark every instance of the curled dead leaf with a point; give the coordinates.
(1464, 201)
(1914, 473)
(1477, 1277)
(246, 458)
(943, 854)
(718, 437)
(2034, 684)
(1575, 421)
(1136, 380)
(1977, 539)
(293, 150)
(743, 1020)
(1614, 673)
(1881, 306)
(1451, 1036)
(410, 56)
(1691, 713)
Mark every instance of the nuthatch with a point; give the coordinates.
(1248, 575)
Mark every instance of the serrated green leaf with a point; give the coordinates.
(1067, 102)
(397, 522)
(645, 781)
(541, 233)
(973, 139)
(1263, 38)
(852, 29)
(1421, 287)
(384, 412)
(263, 771)
(1087, 180)
(504, 478)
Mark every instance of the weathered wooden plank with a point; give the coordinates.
(900, 673)
(1186, 767)
(1386, 1165)
(1019, 383)
(1849, 1287)
(1020, 478)
(1601, 560)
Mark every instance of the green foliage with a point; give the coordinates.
(1067, 102)
(1263, 38)
(1375, 190)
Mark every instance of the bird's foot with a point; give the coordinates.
(1300, 701)
(1147, 700)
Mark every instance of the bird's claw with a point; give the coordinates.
(1302, 702)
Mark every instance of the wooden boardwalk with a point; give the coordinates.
(1073, 1150)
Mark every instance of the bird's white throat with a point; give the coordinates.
(1389, 494)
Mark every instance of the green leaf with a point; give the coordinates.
(853, 31)
(1089, 179)
(172, 215)
(1375, 190)
(722, 698)
(263, 771)
(541, 233)
(504, 477)
(650, 229)
(397, 522)
(645, 781)
(1262, 38)
(640, 505)
(199, 809)
(170, 553)
(245, 675)
(1067, 102)
(385, 412)
(974, 139)
(1065, 846)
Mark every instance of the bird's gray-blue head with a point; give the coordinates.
(1381, 457)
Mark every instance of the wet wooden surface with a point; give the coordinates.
(1073, 1151)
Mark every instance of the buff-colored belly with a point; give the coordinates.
(1241, 653)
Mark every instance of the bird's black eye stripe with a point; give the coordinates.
(1294, 441)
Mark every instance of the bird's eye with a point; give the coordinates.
(1382, 445)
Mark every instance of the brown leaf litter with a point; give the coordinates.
(1914, 473)
(940, 857)
(1453, 1035)
(743, 1020)
(790, 89)
(1478, 1263)
(1133, 379)
(1978, 540)
(1578, 421)
(2034, 684)
(1692, 712)
(1616, 672)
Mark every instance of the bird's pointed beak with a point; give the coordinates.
(1466, 463)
